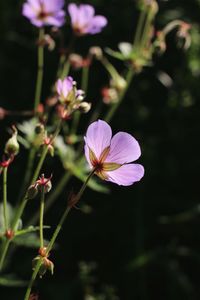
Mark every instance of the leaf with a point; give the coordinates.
(10, 215)
(30, 241)
(11, 280)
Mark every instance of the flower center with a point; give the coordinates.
(100, 166)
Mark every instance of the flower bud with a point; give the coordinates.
(84, 107)
(12, 145)
(75, 61)
(46, 265)
(96, 52)
(118, 82)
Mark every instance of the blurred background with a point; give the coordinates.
(139, 242)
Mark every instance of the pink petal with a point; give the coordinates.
(59, 85)
(35, 4)
(126, 174)
(73, 11)
(86, 11)
(53, 5)
(28, 11)
(98, 137)
(87, 155)
(57, 20)
(97, 23)
(124, 148)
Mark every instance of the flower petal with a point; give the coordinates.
(126, 174)
(86, 13)
(28, 11)
(97, 23)
(98, 137)
(87, 155)
(124, 148)
(53, 5)
(73, 11)
(57, 20)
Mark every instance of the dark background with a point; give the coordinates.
(138, 242)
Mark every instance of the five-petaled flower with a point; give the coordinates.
(110, 157)
(84, 21)
(44, 12)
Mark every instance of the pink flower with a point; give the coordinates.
(44, 12)
(67, 91)
(83, 19)
(111, 156)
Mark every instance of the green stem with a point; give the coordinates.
(4, 250)
(65, 70)
(33, 277)
(40, 69)
(42, 217)
(139, 28)
(55, 234)
(5, 212)
(52, 197)
(147, 28)
(115, 106)
(66, 212)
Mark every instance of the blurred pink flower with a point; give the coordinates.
(83, 19)
(111, 156)
(44, 12)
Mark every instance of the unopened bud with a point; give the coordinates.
(84, 107)
(119, 83)
(51, 150)
(39, 128)
(96, 52)
(12, 145)
(46, 265)
(75, 60)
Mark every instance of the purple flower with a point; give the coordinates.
(44, 12)
(84, 21)
(111, 156)
(67, 91)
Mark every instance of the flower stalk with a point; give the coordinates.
(5, 212)
(71, 204)
(40, 69)
(42, 216)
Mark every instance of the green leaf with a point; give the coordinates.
(11, 280)
(30, 240)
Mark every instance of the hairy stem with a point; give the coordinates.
(42, 217)
(5, 212)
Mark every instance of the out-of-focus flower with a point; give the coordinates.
(67, 91)
(111, 156)
(76, 61)
(84, 21)
(109, 95)
(44, 12)
(96, 52)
